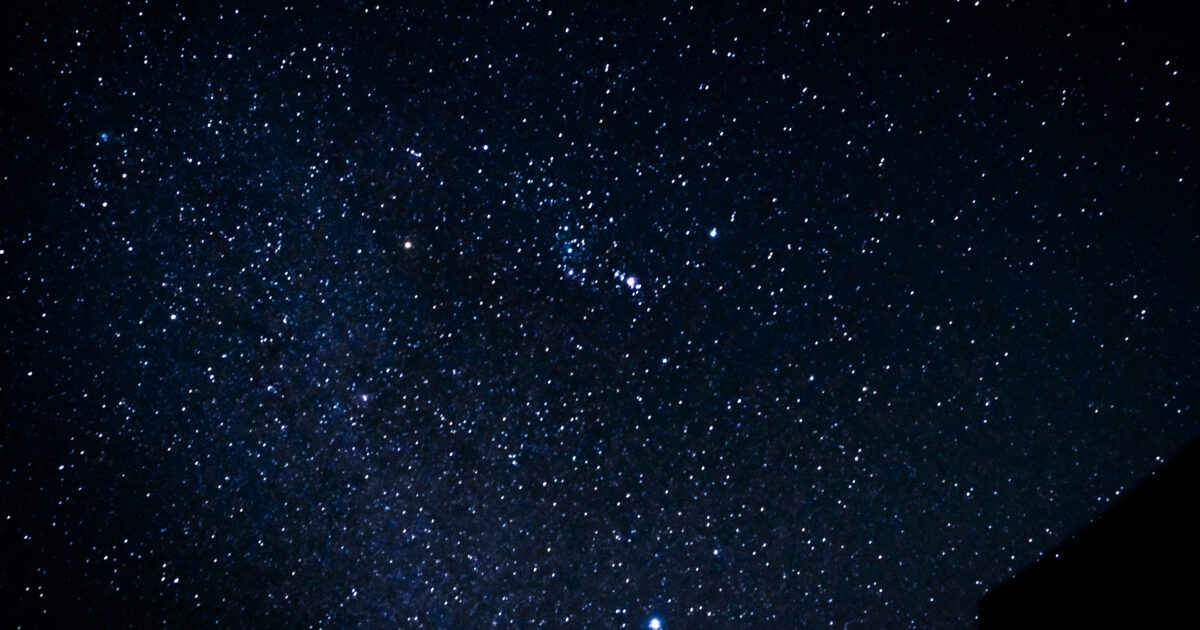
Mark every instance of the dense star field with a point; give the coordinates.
(582, 315)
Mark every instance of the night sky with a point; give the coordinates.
(583, 316)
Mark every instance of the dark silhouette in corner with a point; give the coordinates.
(1135, 566)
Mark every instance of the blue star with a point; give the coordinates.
(655, 624)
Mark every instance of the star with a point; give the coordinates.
(380, 373)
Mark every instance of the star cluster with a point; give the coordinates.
(540, 315)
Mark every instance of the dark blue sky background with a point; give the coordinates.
(570, 315)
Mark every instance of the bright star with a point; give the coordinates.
(655, 624)
(712, 233)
